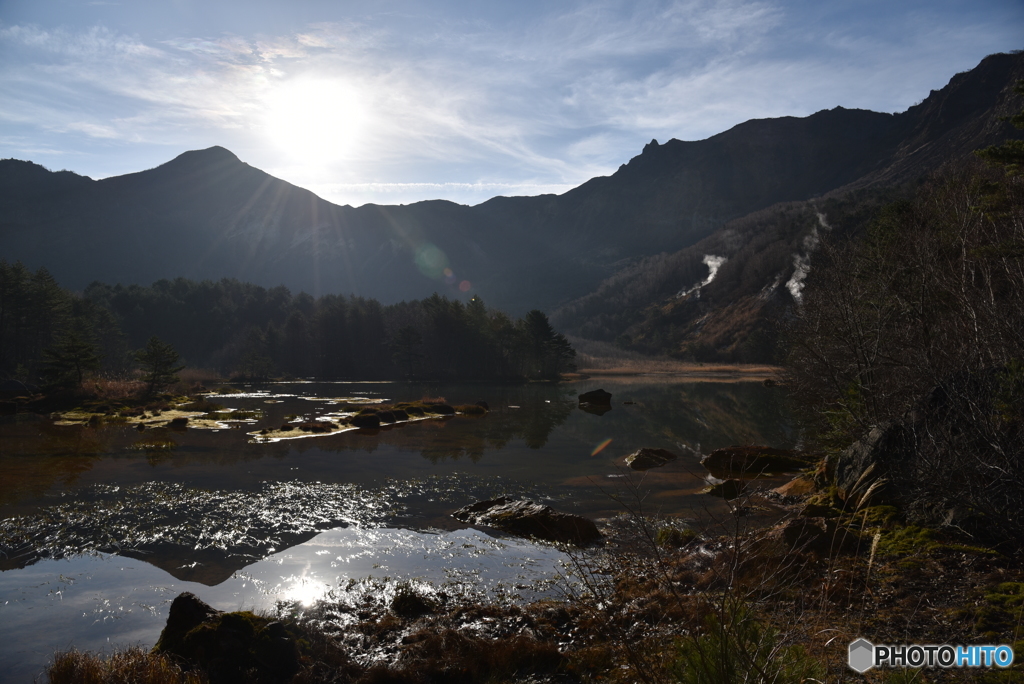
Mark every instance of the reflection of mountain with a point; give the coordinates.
(208, 566)
(196, 535)
(704, 414)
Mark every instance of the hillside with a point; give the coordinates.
(664, 303)
(208, 215)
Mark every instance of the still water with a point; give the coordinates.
(101, 527)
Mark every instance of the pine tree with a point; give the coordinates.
(65, 363)
(1009, 155)
(158, 361)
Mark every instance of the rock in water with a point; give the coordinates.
(188, 611)
(529, 519)
(754, 460)
(643, 459)
(598, 397)
(229, 647)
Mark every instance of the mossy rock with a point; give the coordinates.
(400, 414)
(471, 410)
(386, 416)
(441, 409)
(229, 647)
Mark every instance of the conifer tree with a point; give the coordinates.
(158, 361)
(65, 363)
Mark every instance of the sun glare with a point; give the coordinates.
(315, 120)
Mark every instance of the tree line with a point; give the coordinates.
(50, 335)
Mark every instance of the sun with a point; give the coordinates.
(316, 120)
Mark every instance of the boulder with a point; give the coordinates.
(229, 647)
(529, 519)
(441, 409)
(596, 397)
(798, 486)
(484, 405)
(754, 460)
(646, 458)
(187, 612)
(866, 462)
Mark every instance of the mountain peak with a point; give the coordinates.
(211, 155)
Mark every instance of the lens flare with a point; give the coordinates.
(431, 261)
(600, 447)
(464, 286)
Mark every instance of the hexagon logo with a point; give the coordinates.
(862, 655)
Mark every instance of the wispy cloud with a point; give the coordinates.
(469, 104)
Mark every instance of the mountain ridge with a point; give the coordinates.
(206, 214)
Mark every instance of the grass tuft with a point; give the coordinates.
(133, 665)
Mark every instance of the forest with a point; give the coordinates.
(49, 335)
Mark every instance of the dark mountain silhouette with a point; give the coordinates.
(653, 305)
(208, 215)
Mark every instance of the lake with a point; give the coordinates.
(101, 527)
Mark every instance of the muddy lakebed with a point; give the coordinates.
(102, 525)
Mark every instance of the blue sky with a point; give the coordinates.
(394, 101)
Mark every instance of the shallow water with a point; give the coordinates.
(101, 527)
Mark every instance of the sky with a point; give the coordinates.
(394, 101)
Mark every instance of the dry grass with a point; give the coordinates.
(610, 366)
(134, 665)
(199, 376)
(117, 389)
(604, 359)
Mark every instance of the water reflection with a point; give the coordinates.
(202, 508)
(98, 602)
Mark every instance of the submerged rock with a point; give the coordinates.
(530, 519)
(646, 458)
